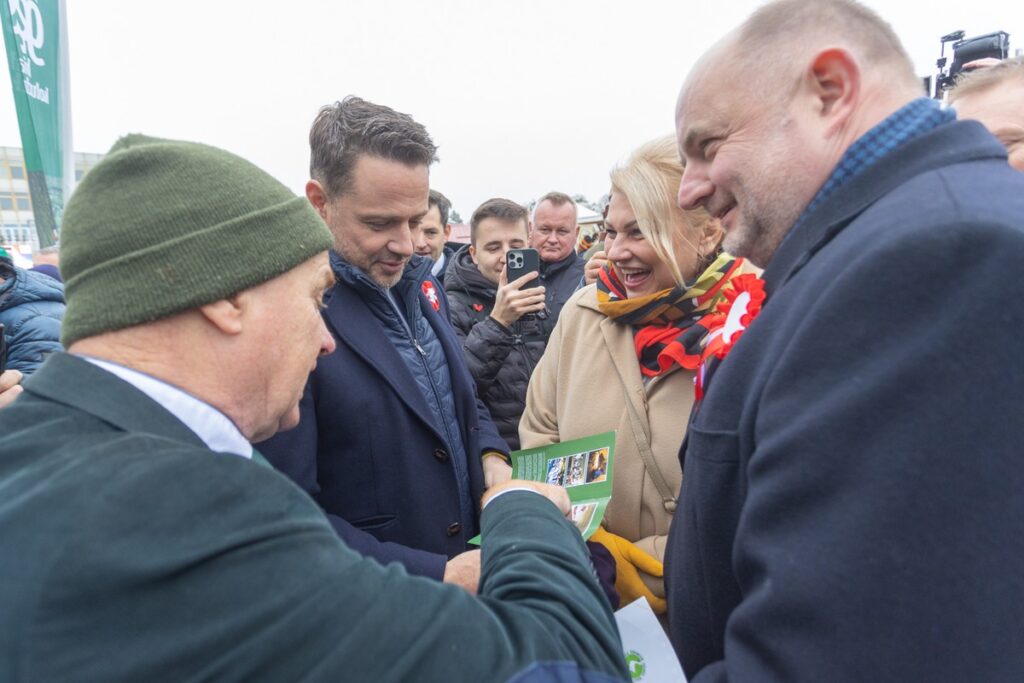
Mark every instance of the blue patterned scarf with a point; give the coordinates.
(914, 119)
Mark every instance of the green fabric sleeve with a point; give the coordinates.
(211, 567)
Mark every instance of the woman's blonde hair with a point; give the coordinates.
(650, 181)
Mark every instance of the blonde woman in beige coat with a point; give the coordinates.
(623, 357)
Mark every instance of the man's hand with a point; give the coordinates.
(598, 261)
(464, 571)
(10, 387)
(556, 494)
(496, 471)
(512, 302)
(982, 63)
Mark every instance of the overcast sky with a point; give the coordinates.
(522, 97)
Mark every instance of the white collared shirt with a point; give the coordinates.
(212, 426)
(437, 270)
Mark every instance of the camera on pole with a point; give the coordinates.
(995, 45)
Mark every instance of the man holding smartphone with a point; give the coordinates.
(139, 522)
(495, 314)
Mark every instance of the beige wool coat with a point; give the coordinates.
(581, 387)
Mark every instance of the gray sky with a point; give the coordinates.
(522, 97)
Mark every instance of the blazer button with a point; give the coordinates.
(454, 528)
(441, 454)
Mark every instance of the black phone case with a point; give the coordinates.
(519, 262)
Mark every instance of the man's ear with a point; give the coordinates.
(226, 314)
(711, 237)
(317, 196)
(447, 230)
(834, 79)
(472, 253)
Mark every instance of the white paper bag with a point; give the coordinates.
(648, 652)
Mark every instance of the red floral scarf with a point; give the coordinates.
(673, 327)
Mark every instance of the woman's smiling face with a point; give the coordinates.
(636, 262)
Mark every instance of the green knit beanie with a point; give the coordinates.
(162, 226)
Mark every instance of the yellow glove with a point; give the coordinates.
(629, 562)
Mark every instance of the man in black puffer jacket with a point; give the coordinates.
(502, 324)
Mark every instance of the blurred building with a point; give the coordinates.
(17, 223)
(460, 233)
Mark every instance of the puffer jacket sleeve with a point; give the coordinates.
(539, 424)
(31, 310)
(487, 346)
(34, 337)
(485, 343)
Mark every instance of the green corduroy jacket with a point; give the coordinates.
(132, 552)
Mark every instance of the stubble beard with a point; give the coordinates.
(761, 226)
(366, 265)
(749, 239)
(385, 282)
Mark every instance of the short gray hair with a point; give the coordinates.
(975, 81)
(557, 199)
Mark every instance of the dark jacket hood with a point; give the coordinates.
(463, 276)
(27, 287)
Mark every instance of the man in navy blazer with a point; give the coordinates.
(393, 443)
(851, 506)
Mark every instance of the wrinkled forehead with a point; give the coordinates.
(706, 107)
(547, 213)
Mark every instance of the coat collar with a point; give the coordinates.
(62, 377)
(464, 276)
(25, 286)
(551, 269)
(351, 319)
(953, 143)
(618, 339)
(417, 269)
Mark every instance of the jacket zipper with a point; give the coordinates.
(407, 325)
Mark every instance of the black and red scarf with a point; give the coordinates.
(671, 327)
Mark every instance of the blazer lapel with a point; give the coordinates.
(62, 379)
(353, 322)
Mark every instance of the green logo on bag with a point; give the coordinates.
(635, 663)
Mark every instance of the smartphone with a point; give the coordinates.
(3, 349)
(519, 262)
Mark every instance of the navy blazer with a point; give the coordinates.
(367, 450)
(853, 491)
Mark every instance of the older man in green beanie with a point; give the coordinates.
(142, 536)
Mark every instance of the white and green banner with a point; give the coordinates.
(35, 36)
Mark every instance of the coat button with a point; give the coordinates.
(441, 454)
(454, 528)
